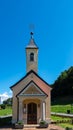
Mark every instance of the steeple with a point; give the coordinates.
(32, 43)
(31, 55)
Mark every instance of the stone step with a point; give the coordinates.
(31, 126)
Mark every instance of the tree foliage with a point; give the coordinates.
(63, 86)
(2, 106)
(8, 102)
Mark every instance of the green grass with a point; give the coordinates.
(6, 111)
(64, 125)
(61, 105)
(61, 108)
(56, 118)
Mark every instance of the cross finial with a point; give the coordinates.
(31, 33)
(31, 26)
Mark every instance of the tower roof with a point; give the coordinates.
(32, 43)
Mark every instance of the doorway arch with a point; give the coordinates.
(32, 113)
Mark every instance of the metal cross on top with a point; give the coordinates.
(31, 26)
(31, 33)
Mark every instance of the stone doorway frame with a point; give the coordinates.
(40, 102)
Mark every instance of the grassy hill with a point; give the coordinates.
(62, 104)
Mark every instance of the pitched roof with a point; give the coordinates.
(31, 71)
(32, 43)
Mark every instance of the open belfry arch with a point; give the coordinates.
(31, 94)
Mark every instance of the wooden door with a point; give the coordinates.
(32, 113)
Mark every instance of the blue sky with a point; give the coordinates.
(53, 33)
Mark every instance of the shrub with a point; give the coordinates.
(5, 121)
(3, 106)
(20, 122)
(42, 122)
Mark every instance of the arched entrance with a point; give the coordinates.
(32, 113)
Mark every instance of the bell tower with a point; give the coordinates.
(31, 55)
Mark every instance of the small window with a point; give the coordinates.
(32, 57)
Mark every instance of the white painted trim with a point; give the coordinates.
(43, 111)
(32, 95)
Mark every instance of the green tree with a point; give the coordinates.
(64, 84)
(8, 102)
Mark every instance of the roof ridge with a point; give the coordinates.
(31, 71)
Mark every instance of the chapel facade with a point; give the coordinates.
(31, 94)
